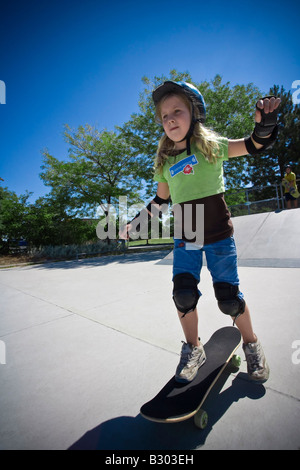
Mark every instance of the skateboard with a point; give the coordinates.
(180, 401)
(293, 191)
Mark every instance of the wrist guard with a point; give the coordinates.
(267, 127)
(268, 122)
(266, 142)
(151, 210)
(160, 200)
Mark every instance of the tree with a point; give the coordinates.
(47, 222)
(13, 211)
(102, 166)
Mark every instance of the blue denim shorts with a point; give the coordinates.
(221, 258)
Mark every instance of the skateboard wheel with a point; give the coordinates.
(201, 419)
(236, 360)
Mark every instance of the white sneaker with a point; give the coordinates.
(258, 369)
(191, 359)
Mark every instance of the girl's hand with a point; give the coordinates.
(267, 105)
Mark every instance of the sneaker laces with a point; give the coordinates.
(187, 354)
(254, 357)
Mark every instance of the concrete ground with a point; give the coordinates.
(83, 344)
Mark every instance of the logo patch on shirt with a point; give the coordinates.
(185, 166)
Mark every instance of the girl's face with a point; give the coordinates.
(176, 119)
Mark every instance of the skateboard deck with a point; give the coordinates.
(179, 401)
(293, 191)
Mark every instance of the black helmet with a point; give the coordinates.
(192, 93)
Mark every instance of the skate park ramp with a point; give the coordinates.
(270, 239)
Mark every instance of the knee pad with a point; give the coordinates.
(228, 298)
(185, 292)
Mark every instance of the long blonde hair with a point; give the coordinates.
(206, 140)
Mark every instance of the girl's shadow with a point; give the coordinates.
(129, 433)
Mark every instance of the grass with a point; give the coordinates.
(152, 241)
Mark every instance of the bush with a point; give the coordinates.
(72, 251)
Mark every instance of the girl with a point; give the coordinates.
(189, 169)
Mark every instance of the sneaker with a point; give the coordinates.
(258, 369)
(191, 359)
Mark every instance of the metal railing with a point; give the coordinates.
(247, 201)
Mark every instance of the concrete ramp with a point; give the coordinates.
(271, 239)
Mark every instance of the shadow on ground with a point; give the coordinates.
(137, 433)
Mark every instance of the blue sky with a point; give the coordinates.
(81, 61)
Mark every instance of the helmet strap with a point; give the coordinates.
(189, 135)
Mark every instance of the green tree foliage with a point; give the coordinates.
(46, 222)
(13, 211)
(101, 166)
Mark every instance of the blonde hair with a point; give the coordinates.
(206, 140)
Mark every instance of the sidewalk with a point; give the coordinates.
(88, 342)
